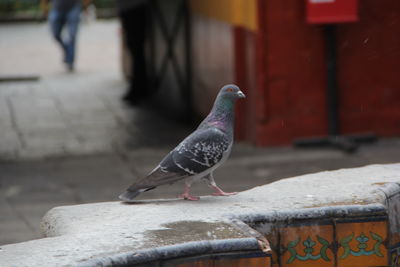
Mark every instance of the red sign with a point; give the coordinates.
(332, 11)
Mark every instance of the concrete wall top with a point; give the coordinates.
(76, 234)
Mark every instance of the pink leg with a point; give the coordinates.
(219, 192)
(186, 195)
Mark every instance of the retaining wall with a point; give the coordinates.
(347, 217)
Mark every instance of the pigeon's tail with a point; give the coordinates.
(130, 194)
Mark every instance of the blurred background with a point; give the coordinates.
(321, 79)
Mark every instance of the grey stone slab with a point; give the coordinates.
(8, 135)
(102, 178)
(30, 216)
(37, 117)
(47, 143)
(38, 102)
(5, 114)
(91, 147)
(81, 119)
(37, 112)
(9, 153)
(82, 179)
(38, 124)
(19, 229)
(22, 210)
(48, 136)
(88, 133)
(6, 123)
(10, 144)
(11, 222)
(41, 152)
(93, 231)
(16, 90)
(80, 101)
(46, 104)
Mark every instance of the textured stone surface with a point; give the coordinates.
(83, 232)
(67, 114)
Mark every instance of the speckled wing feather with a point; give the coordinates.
(198, 152)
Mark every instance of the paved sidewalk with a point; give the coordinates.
(63, 113)
(67, 138)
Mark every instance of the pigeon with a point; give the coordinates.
(199, 154)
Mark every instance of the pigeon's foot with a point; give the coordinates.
(189, 197)
(219, 192)
(186, 195)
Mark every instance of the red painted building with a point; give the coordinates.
(277, 53)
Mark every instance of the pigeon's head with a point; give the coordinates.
(231, 91)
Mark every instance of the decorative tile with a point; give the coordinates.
(272, 235)
(254, 259)
(307, 245)
(274, 257)
(394, 219)
(362, 243)
(395, 256)
(243, 262)
(191, 262)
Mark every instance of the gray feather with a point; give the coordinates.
(200, 151)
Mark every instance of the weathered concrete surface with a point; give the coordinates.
(30, 188)
(79, 233)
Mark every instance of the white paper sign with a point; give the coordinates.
(321, 1)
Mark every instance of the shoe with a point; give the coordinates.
(70, 67)
(132, 98)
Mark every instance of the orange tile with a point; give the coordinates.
(272, 236)
(307, 245)
(243, 262)
(189, 263)
(361, 244)
(394, 238)
(274, 258)
(220, 261)
(394, 218)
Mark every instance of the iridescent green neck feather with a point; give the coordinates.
(222, 114)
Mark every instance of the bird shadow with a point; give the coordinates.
(203, 200)
(151, 201)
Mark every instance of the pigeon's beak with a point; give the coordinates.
(241, 95)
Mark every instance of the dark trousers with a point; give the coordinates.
(58, 19)
(134, 23)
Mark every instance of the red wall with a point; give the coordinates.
(286, 75)
(369, 77)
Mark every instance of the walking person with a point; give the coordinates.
(65, 13)
(134, 15)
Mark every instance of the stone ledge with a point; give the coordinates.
(100, 233)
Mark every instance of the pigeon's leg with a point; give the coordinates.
(186, 192)
(218, 191)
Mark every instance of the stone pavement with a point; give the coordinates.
(65, 113)
(68, 139)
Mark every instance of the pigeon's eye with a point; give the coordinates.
(229, 89)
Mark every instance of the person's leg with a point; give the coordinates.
(73, 18)
(138, 51)
(57, 22)
(134, 25)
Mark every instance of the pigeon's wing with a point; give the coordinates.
(161, 175)
(198, 152)
(201, 151)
